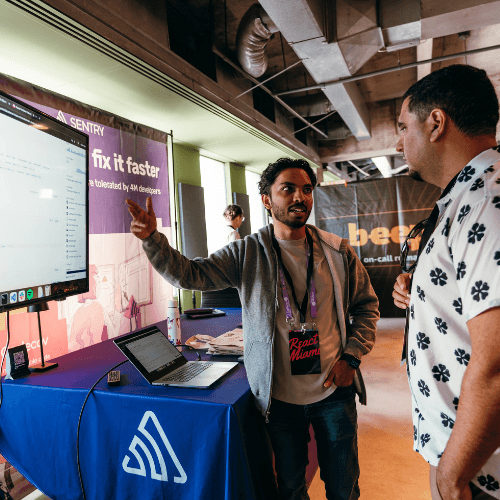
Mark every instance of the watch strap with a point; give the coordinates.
(351, 360)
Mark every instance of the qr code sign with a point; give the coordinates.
(18, 359)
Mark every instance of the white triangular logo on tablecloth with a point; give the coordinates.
(136, 441)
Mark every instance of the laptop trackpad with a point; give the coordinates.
(207, 377)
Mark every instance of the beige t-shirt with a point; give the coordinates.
(230, 234)
(305, 389)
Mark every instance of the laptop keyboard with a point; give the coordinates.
(187, 372)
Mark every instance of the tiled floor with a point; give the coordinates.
(390, 469)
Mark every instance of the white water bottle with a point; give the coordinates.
(174, 323)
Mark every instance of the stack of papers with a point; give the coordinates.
(229, 344)
(199, 341)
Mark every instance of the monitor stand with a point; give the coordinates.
(42, 367)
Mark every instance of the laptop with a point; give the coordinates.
(160, 363)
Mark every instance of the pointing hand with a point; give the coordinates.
(143, 221)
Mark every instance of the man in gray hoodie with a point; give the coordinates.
(309, 316)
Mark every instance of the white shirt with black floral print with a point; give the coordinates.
(457, 278)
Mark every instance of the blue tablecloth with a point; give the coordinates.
(136, 441)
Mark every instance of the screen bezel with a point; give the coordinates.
(74, 287)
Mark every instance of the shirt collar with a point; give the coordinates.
(474, 169)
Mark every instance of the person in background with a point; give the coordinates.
(448, 123)
(309, 316)
(234, 217)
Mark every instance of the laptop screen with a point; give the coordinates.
(153, 351)
(150, 352)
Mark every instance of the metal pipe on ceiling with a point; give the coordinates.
(250, 77)
(357, 168)
(314, 123)
(387, 70)
(339, 173)
(270, 78)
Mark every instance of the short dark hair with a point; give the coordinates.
(463, 92)
(232, 211)
(274, 169)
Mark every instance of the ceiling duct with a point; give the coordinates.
(358, 38)
(254, 31)
(401, 24)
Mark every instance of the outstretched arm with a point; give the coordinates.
(218, 271)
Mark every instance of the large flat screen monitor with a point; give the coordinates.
(44, 228)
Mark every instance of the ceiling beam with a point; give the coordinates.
(447, 18)
(424, 52)
(382, 143)
(358, 155)
(339, 173)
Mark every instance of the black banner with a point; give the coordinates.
(375, 216)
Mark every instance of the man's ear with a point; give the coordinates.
(436, 124)
(266, 200)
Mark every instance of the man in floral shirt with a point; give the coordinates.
(447, 124)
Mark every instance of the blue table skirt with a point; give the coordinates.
(136, 441)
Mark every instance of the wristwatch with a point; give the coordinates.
(351, 360)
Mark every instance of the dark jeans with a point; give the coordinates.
(334, 421)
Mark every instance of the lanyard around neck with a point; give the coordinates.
(283, 273)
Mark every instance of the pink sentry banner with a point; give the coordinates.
(125, 293)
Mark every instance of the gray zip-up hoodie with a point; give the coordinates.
(251, 266)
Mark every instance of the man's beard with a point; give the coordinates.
(415, 175)
(281, 215)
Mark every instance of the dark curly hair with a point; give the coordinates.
(463, 92)
(274, 169)
(232, 211)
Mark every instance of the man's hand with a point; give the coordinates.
(143, 223)
(401, 290)
(449, 492)
(342, 374)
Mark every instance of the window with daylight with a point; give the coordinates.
(257, 213)
(213, 181)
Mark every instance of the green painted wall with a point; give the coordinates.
(187, 171)
(235, 181)
(186, 165)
